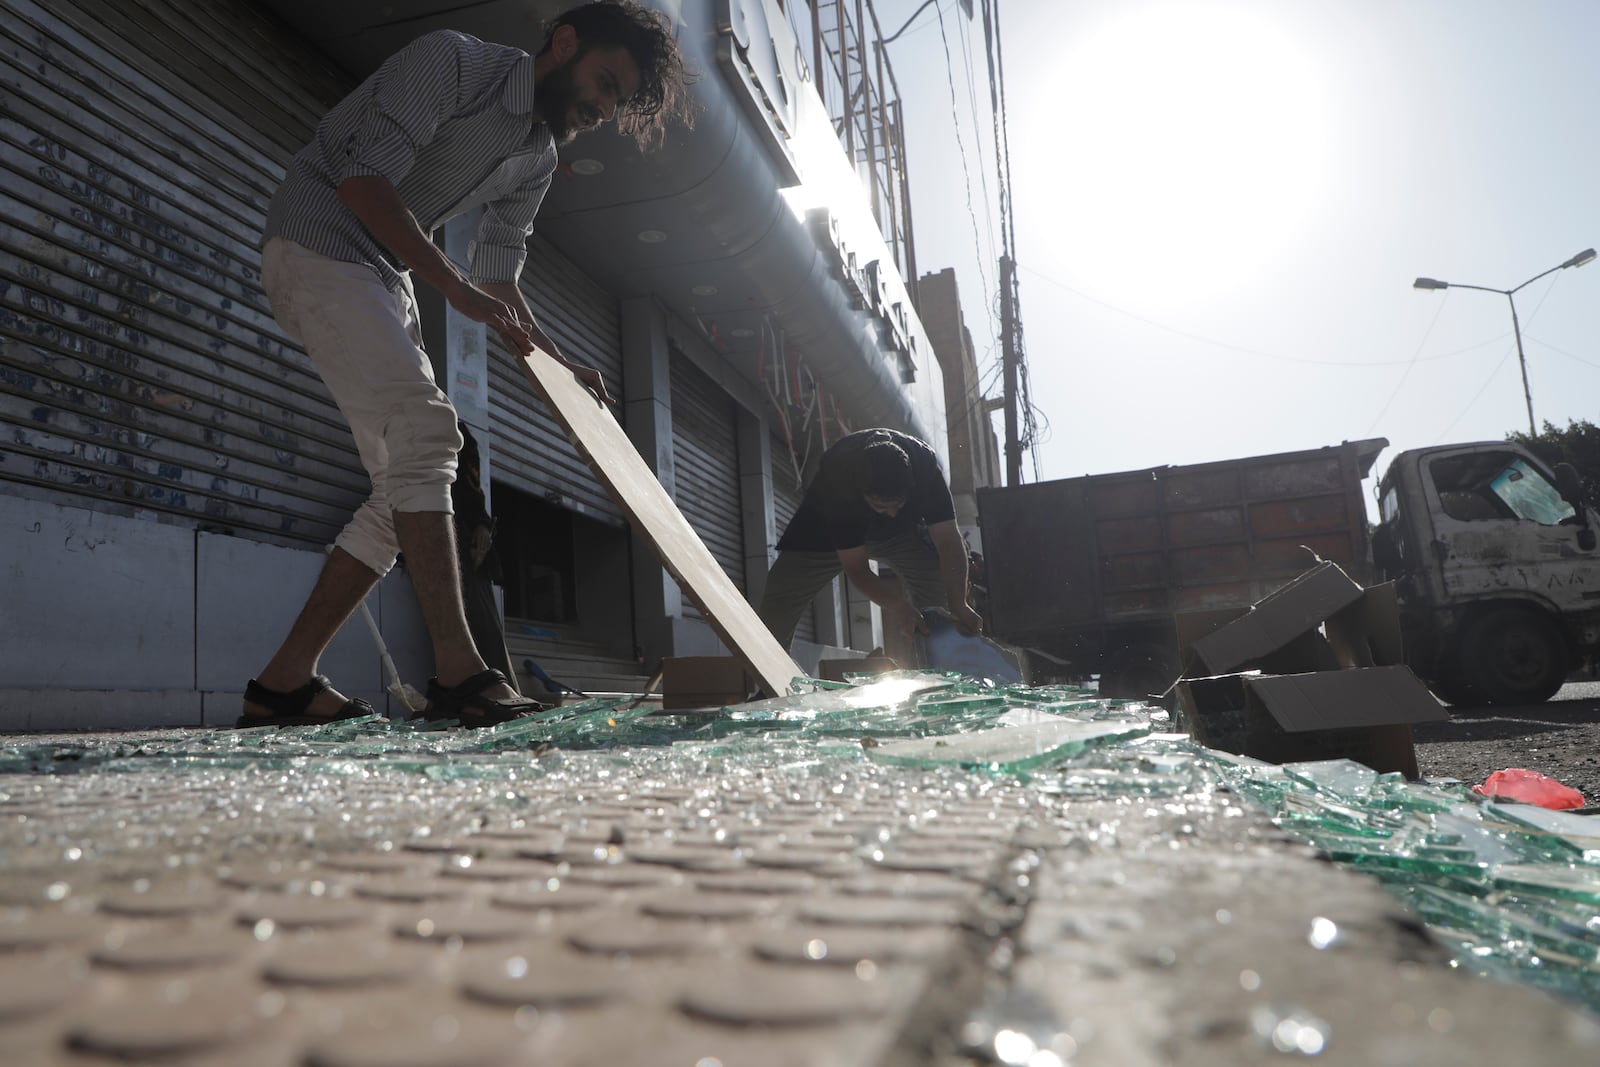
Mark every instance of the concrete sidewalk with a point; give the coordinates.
(326, 898)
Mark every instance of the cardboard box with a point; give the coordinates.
(834, 670)
(1362, 713)
(703, 682)
(1367, 633)
(1288, 615)
(1213, 711)
(1314, 671)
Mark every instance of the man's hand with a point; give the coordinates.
(495, 313)
(967, 620)
(482, 541)
(902, 617)
(590, 379)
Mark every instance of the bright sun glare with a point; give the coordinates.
(1188, 143)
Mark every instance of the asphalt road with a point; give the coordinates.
(1559, 738)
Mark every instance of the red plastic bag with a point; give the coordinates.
(1530, 787)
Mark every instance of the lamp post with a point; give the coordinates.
(1587, 255)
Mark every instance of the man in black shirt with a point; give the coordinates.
(878, 495)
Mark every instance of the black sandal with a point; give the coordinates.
(466, 703)
(294, 707)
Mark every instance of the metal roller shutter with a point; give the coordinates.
(141, 143)
(532, 452)
(705, 455)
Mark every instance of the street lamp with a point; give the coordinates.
(1586, 256)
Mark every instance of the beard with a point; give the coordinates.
(563, 112)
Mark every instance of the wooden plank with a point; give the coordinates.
(619, 467)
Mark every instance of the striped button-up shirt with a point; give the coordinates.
(449, 120)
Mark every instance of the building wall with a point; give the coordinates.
(974, 447)
(172, 466)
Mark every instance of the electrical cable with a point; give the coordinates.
(907, 24)
(966, 172)
(1410, 366)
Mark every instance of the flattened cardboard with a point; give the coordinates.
(1277, 619)
(633, 485)
(1347, 699)
(1363, 713)
(703, 682)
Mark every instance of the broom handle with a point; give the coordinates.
(383, 649)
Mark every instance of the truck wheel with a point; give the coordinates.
(1452, 691)
(1512, 656)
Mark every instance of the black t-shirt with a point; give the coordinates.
(834, 516)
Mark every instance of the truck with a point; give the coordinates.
(1492, 554)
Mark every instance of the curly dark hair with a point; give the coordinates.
(883, 470)
(647, 35)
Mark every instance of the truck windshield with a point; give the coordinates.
(1497, 485)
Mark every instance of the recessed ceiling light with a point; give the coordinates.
(587, 166)
(652, 237)
(704, 290)
(742, 331)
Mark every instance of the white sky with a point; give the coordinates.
(1221, 206)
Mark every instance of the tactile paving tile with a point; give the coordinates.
(534, 841)
(564, 897)
(163, 900)
(907, 885)
(458, 923)
(402, 889)
(294, 911)
(494, 869)
(159, 950)
(426, 1035)
(713, 906)
(267, 874)
(946, 861)
(689, 858)
(760, 880)
(380, 863)
(343, 961)
(879, 911)
(636, 936)
(517, 980)
(166, 1022)
(781, 996)
(31, 984)
(33, 928)
(845, 947)
(819, 860)
(624, 876)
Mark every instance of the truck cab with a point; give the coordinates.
(1493, 555)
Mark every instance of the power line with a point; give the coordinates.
(1410, 365)
(907, 24)
(961, 151)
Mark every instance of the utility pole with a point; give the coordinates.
(1010, 361)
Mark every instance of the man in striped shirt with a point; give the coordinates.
(448, 124)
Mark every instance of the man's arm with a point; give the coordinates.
(375, 201)
(952, 549)
(511, 295)
(900, 614)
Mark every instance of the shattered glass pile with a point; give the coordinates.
(1513, 890)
